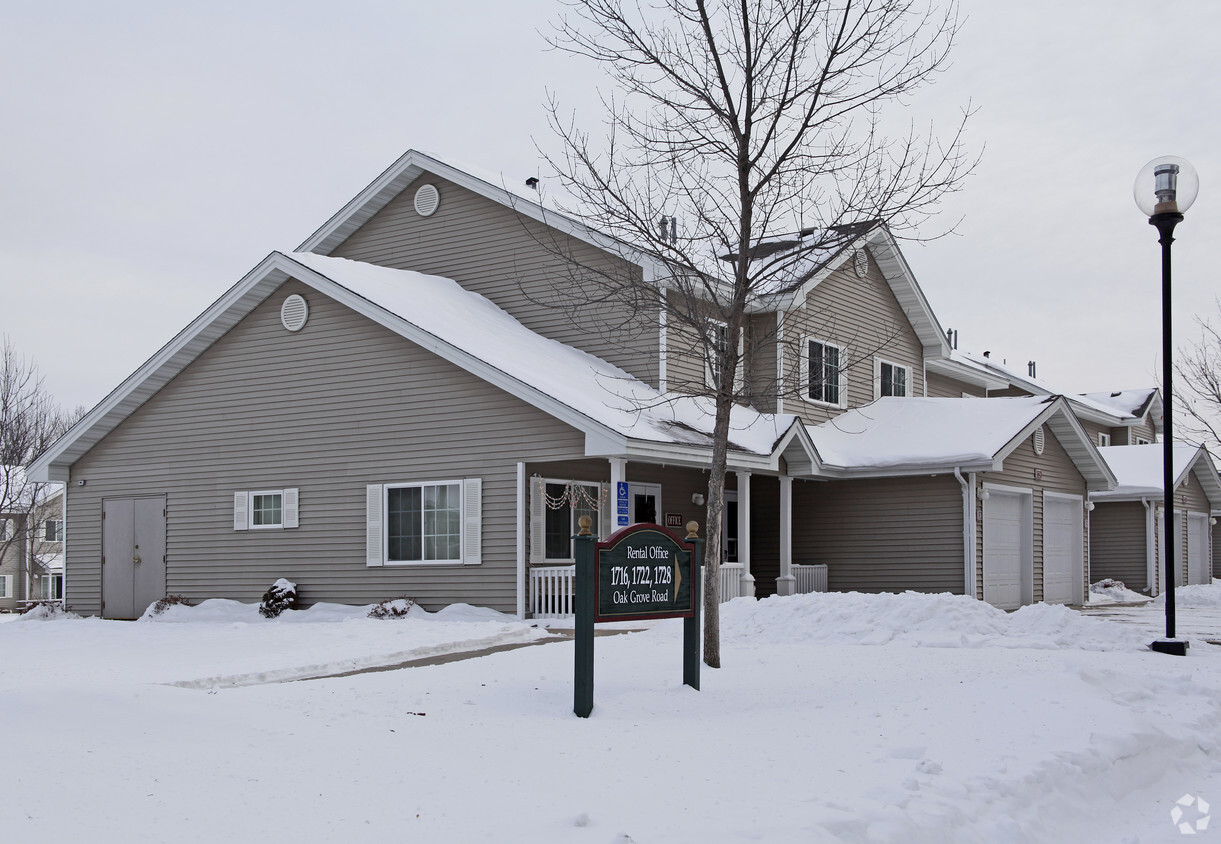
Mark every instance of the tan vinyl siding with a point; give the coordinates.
(520, 264)
(761, 362)
(13, 551)
(864, 318)
(941, 387)
(1058, 474)
(338, 405)
(883, 535)
(1117, 543)
(1094, 429)
(1143, 429)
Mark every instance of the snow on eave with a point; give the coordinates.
(961, 369)
(412, 164)
(1139, 471)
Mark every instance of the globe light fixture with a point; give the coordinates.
(1165, 188)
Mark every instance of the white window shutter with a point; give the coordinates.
(472, 521)
(538, 522)
(241, 511)
(606, 513)
(374, 498)
(291, 511)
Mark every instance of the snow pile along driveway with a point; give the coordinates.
(836, 718)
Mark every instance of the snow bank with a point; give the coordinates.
(916, 619)
(1200, 595)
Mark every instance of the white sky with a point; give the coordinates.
(152, 154)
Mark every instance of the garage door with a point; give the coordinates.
(1004, 549)
(1062, 541)
(1197, 548)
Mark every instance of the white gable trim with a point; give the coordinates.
(411, 165)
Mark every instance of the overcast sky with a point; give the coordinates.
(154, 152)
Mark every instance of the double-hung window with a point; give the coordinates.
(53, 530)
(892, 378)
(824, 373)
(1104, 439)
(424, 523)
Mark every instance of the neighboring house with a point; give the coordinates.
(31, 541)
(1127, 525)
(389, 410)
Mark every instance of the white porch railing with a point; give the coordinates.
(552, 589)
(810, 578)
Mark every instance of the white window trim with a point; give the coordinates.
(1143, 441)
(877, 376)
(377, 525)
(709, 381)
(243, 509)
(6, 584)
(1104, 439)
(804, 373)
(538, 540)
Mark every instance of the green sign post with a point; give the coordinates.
(641, 572)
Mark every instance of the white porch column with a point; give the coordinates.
(618, 475)
(748, 579)
(786, 583)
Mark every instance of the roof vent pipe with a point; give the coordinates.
(1030, 368)
(987, 354)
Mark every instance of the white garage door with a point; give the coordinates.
(1197, 548)
(1004, 549)
(1062, 541)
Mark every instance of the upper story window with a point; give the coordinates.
(718, 350)
(1104, 440)
(824, 375)
(53, 530)
(892, 379)
(1142, 441)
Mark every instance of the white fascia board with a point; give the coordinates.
(411, 165)
(967, 374)
(157, 371)
(1073, 438)
(912, 470)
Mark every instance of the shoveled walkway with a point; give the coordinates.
(1196, 624)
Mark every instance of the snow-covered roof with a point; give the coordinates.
(1139, 468)
(1125, 402)
(898, 435)
(589, 385)
(620, 415)
(1120, 408)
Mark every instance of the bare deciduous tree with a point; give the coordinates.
(1199, 369)
(732, 121)
(30, 421)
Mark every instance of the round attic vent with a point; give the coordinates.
(426, 200)
(1038, 440)
(294, 312)
(860, 263)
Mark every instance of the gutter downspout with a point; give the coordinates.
(1150, 546)
(968, 531)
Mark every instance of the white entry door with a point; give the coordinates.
(1006, 544)
(1062, 549)
(1197, 548)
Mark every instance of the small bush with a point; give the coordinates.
(46, 610)
(169, 601)
(398, 608)
(280, 597)
(1107, 583)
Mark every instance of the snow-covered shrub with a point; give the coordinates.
(46, 611)
(1107, 583)
(169, 601)
(398, 608)
(280, 597)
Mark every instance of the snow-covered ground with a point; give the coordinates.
(836, 717)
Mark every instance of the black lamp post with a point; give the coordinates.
(1164, 190)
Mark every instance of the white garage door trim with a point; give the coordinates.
(1197, 548)
(1063, 541)
(1008, 540)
